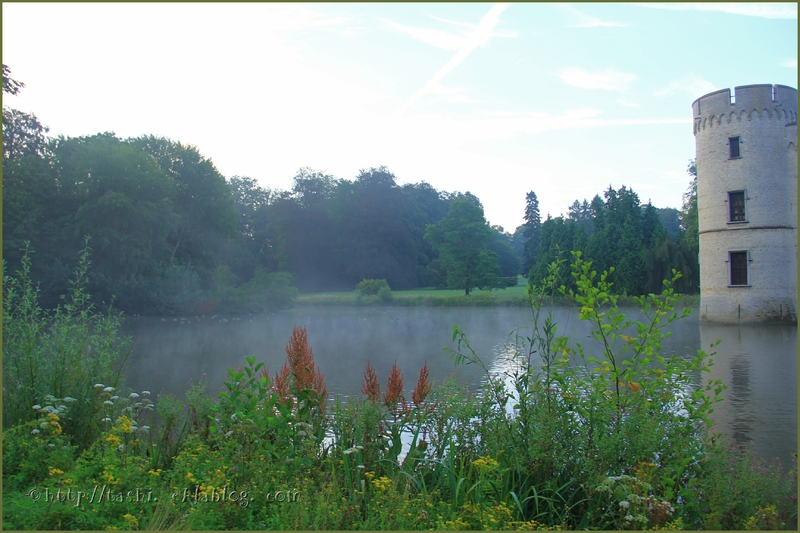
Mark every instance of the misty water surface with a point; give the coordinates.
(758, 363)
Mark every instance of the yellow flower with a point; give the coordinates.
(190, 477)
(52, 422)
(484, 464)
(55, 472)
(131, 520)
(382, 483)
(154, 473)
(125, 424)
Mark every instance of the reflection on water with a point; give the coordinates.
(758, 363)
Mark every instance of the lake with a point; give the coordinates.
(758, 363)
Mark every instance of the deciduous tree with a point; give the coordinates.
(461, 238)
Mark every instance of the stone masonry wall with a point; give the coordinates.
(764, 118)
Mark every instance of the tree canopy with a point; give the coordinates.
(461, 238)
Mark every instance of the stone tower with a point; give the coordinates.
(747, 203)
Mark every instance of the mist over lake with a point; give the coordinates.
(758, 363)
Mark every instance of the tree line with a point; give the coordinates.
(643, 243)
(170, 234)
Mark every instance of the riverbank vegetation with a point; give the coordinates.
(512, 296)
(171, 235)
(571, 437)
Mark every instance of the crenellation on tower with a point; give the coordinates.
(747, 102)
(747, 203)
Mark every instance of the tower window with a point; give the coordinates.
(736, 206)
(733, 145)
(738, 262)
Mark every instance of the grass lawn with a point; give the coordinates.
(511, 296)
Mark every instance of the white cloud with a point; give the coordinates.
(627, 104)
(692, 84)
(609, 79)
(764, 10)
(479, 37)
(582, 20)
(789, 63)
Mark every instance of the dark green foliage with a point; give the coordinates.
(203, 208)
(531, 231)
(558, 238)
(123, 201)
(509, 260)
(671, 220)
(265, 292)
(689, 217)
(618, 231)
(461, 239)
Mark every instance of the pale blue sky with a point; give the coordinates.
(497, 99)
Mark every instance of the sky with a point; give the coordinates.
(497, 99)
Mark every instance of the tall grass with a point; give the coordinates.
(60, 354)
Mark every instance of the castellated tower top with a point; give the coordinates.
(775, 102)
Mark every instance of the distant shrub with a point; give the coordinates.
(374, 287)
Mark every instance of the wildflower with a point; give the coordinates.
(115, 397)
(144, 428)
(37, 407)
(108, 389)
(484, 464)
(133, 396)
(423, 387)
(131, 520)
(228, 434)
(108, 402)
(370, 386)
(624, 504)
(147, 392)
(34, 432)
(121, 447)
(98, 385)
(69, 399)
(394, 387)
(301, 362)
(52, 445)
(55, 471)
(106, 419)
